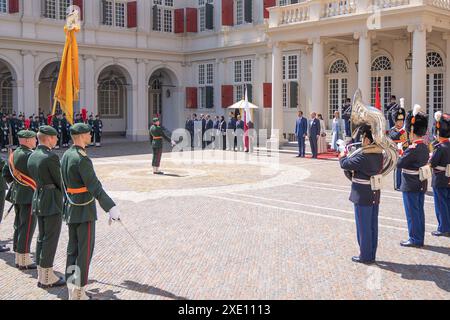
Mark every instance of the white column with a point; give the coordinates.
(258, 95)
(277, 92)
(29, 105)
(89, 21)
(90, 85)
(318, 77)
(28, 19)
(140, 132)
(419, 65)
(447, 75)
(143, 22)
(219, 80)
(364, 64)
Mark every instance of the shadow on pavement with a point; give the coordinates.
(443, 250)
(437, 274)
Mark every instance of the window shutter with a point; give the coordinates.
(103, 5)
(294, 1)
(13, 6)
(227, 96)
(209, 16)
(155, 17)
(179, 20)
(132, 14)
(191, 97)
(191, 20)
(293, 94)
(44, 8)
(267, 91)
(248, 11)
(209, 97)
(249, 92)
(79, 3)
(227, 12)
(268, 4)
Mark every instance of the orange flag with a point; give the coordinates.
(68, 85)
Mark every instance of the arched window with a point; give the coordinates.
(435, 82)
(111, 96)
(381, 67)
(339, 66)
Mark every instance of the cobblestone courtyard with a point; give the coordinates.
(233, 226)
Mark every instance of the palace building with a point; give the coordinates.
(176, 57)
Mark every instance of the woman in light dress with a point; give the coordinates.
(322, 146)
(336, 130)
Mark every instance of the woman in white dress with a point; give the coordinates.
(336, 131)
(322, 146)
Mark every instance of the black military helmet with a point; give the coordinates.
(365, 131)
(399, 114)
(442, 124)
(416, 121)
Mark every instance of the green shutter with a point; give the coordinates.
(155, 17)
(209, 16)
(250, 92)
(248, 10)
(209, 97)
(293, 94)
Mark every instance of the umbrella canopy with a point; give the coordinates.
(241, 105)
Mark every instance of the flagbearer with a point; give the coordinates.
(413, 164)
(157, 135)
(22, 189)
(80, 213)
(45, 169)
(440, 162)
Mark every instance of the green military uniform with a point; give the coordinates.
(3, 188)
(21, 197)
(157, 135)
(80, 211)
(45, 169)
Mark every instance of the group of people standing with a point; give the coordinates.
(220, 134)
(315, 130)
(414, 168)
(45, 191)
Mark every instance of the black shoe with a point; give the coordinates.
(159, 172)
(298, 156)
(436, 234)
(60, 283)
(29, 267)
(358, 260)
(4, 249)
(410, 244)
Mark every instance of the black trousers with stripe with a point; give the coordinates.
(79, 252)
(24, 227)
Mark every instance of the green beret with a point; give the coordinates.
(26, 134)
(155, 119)
(80, 128)
(48, 131)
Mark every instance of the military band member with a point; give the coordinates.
(440, 162)
(91, 123)
(22, 189)
(42, 119)
(3, 188)
(413, 189)
(65, 131)
(80, 213)
(5, 130)
(157, 135)
(391, 108)
(98, 129)
(57, 125)
(13, 123)
(399, 136)
(45, 170)
(34, 124)
(366, 201)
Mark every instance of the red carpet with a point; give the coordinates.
(330, 155)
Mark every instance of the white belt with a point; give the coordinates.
(361, 181)
(413, 172)
(440, 168)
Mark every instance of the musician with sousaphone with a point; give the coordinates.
(21, 195)
(365, 167)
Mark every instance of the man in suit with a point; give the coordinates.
(314, 133)
(209, 130)
(301, 130)
(231, 131)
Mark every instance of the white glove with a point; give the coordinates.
(173, 143)
(114, 213)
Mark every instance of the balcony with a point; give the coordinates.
(316, 10)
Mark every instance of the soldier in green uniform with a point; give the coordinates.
(82, 189)
(3, 188)
(157, 135)
(22, 189)
(91, 123)
(45, 170)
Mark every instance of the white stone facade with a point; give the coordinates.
(327, 39)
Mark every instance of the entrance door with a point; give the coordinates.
(155, 105)
(337, 93)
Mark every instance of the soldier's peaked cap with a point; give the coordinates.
(80, 128)
(48, 130)
(26, 134)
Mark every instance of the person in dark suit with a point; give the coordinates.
(216, 131)
(413, 189)
(301, 130)
(223, 132)
(240, 127)
(346, 114)
(209, 130)
(231, 132)
(391, 109)
(314, 133)
(203, 119)
(440, 162)
(366, 201)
